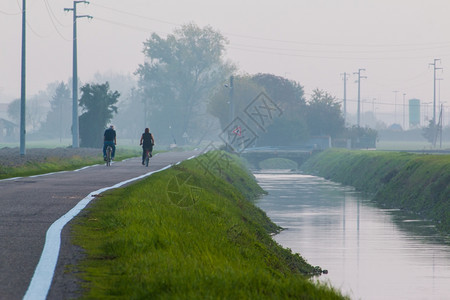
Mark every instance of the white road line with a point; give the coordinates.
(46, 174)
(43, 274)
(10, 179)
(84, 168)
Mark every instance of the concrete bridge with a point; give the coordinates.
(259, 154)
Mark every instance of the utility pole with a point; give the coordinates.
(75, 135)
(359, 94)
(395, 106)
(404, 94)
(434, 87)
(231, 100)
(22, 83)
(345, 96)
(439, 91)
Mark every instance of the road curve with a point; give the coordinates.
(30, 205)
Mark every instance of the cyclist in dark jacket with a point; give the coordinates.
(147, 143)
(109, 139)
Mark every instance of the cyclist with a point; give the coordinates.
(109, 139)
(147, 143)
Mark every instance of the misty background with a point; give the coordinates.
(310, 45)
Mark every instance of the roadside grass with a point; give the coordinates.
(419, 183)
(409, 145)
(47, 143)
(189, 233)
(48, 164)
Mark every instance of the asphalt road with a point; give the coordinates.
(30, 205)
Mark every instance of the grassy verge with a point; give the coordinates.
(54, 162)
(187, 233)
(413, 182)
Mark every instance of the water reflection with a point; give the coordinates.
(370, 252)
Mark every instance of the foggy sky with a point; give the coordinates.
(311, 42)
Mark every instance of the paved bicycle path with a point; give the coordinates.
(29, 205)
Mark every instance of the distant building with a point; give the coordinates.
(414, 112)
(4, 110)
(8, 131)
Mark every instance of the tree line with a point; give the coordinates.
(183, 93)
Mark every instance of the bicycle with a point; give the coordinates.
(108, 155)
(147, 157)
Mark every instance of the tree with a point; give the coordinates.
(132, 119)
(14, 110)
(430, 132)
(288, 94)
(323, 115)
(361, 137)
(59, 118)
(97, 103)
(290, 128)
(244, 90)
(285, 132)
(34, 112)
(181, 71)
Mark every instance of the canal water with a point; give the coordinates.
(369, 252)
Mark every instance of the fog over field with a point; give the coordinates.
(400, 49)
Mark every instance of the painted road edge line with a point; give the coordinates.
(47, 174)
(45, 269)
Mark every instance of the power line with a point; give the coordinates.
(258, 50)
(340, 51)
(10, 14)
(135, 15)
(50, 14)
(428, 45)
(143, 29)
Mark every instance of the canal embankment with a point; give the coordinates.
(189, 232)
(418, 183)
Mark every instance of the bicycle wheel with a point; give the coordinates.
(147, 159)
(108, 156)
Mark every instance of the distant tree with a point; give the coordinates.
(123, 83)
(33, 113)
(291, 127)
(361, 137)
(132, 120)
(244, 90)
(323, 114)
(288, 94)
(179, 75)
(59, 118)
(430, 132)
(284, 132)
(14, 110)
(97, 103)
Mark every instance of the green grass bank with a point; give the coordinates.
(417, 183)
(47, 160)
(189, 232)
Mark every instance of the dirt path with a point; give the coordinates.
(28, 206)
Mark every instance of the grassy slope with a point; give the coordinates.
(144, 241)
(418, 183)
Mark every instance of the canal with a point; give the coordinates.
(369, 252)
